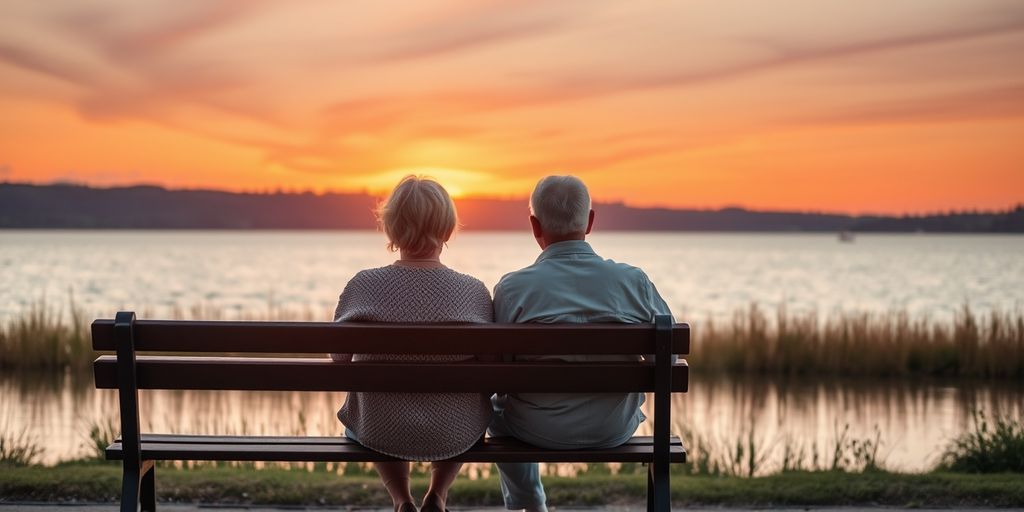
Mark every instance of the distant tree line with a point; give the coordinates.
(67, 206)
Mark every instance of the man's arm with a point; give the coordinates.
(501, 308)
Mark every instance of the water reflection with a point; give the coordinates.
(915, 418)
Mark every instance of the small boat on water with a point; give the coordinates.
(846, 236)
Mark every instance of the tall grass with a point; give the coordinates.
(753, 342)
(862, 344)
(45, 338)
(987, 450)
(18, 447)
(748, 455)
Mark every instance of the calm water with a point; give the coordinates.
(699, 274)
(260, 274)
(915, 420)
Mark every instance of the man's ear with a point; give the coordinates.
(538, 232)
(590, 222)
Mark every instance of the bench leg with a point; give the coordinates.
(650, 488)
(138, 487)
(659, 494)
(147, 491)
(130, 490)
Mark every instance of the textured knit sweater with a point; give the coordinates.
(414, 426)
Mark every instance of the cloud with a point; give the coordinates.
(992, 103)
(788, 56)
(31, 60)
(95, 25)
(479, 26)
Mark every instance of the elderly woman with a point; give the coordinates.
(418, 218)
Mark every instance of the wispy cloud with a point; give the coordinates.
(989, 103)
(36, 61)
(786, 56)
(482, 25)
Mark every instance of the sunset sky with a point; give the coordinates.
(848, 106)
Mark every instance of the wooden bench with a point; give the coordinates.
(204, 365)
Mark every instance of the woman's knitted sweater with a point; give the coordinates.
(414, 426)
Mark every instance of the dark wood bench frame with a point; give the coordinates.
(128, 372)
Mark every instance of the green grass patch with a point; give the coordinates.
(99, 481)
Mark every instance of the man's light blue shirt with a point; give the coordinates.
(569, 283)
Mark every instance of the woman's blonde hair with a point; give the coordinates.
(418, 216)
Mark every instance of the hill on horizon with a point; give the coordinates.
(68, 206)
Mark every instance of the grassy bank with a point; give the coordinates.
(755, 341)
(982, 467)
(101, 481)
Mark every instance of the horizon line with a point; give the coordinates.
(614, 202)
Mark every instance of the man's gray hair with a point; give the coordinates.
(562, 204)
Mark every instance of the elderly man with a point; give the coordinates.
(569, 283)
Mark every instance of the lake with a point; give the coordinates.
(193, 274)
(700, 275)
(915, 420)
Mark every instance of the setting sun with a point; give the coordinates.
(457, 182)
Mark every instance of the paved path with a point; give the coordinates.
(65, 507)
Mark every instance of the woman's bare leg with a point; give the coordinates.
(442, 476)
(395, 476)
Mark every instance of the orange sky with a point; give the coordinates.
(866, 106)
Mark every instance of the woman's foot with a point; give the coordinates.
(433, 503)
(405, 507)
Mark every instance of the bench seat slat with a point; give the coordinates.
(503, 451)
(327, 440)
(368, 338)
(322, 374)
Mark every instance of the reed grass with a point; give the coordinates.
(754, 341)
(44, 337)
(862, 344)
(18, 448)
(749, 455)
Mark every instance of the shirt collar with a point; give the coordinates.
(564, 248)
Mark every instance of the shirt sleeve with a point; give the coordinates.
(657, 304)
(502, 311)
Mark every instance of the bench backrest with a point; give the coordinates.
(248, 367)
(207, 367)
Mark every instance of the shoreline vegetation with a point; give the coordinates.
(982, 467)
(754, 341)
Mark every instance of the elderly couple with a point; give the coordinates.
(568, 283)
